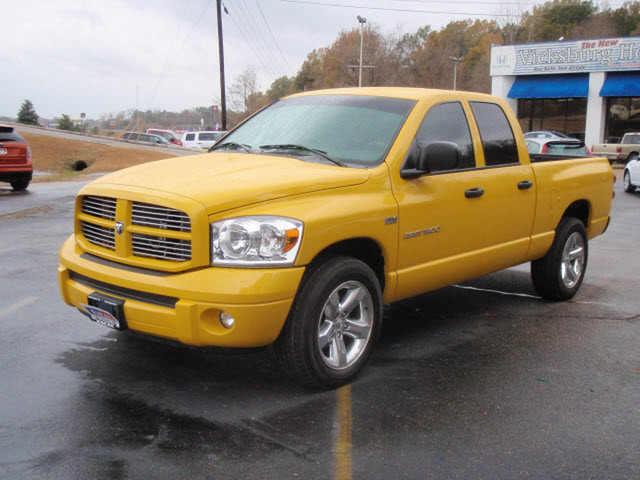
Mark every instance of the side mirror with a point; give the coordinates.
(439, 156)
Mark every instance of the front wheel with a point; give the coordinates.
(333, 325)
(558, 275)
(626, 182)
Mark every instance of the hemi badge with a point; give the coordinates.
(390, 220)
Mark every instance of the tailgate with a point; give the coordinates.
(13, 152)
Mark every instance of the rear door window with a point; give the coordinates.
(206, 136)
(497, 137)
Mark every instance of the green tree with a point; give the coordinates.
(627, 18)
(555, 19)
(65, 123)
(27, 113)
(280, 87)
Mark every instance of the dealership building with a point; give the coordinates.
(587, 88)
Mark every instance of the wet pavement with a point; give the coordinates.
(483, 380)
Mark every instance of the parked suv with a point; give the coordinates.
(145, 137)
(203, 140)
(167, 135)
(15, 159)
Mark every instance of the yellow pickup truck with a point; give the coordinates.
(299, 225)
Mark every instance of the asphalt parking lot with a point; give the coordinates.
(482, 380)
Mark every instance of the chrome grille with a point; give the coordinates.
(161, 248)
(164, 218)
(98, 235)
(102, 207)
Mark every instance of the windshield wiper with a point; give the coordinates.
(246, 148)
(291, 146)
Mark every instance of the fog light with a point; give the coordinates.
(226, 320)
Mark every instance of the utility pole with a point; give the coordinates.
(455, 68)
(137, 87)
(223, 101)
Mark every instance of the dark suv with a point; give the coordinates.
(15, 159)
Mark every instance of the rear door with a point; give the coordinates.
(508, 184)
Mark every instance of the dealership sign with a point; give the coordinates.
(609, 54)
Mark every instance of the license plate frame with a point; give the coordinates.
(106, 310)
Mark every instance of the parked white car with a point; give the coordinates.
(202, 140)
(631, 179)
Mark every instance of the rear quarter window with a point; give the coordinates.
(498, 142)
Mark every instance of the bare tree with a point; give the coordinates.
(244, 85)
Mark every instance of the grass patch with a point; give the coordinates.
(57, 156)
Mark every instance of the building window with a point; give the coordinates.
(566, 115)
(623, 116)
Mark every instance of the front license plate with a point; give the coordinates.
(106, 310)
(3, 151)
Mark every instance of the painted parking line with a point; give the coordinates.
(342, 429)
(5, 312)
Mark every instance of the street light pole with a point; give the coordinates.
(362, 22)
(223, 101)
(455, 68)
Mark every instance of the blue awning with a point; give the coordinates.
(551, 86)
(621, 84)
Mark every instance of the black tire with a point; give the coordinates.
(557, 275)
(626, 182)
(297, 348)
(19, 184)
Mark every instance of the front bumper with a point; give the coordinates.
(186, 306)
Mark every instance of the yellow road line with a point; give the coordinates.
(17, 306)
(342, 427)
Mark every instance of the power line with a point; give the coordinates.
(165, 66)
(389, 9)
(258, 33)
(175, 57)
(273, 37)
(259, 57)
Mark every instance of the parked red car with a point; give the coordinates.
(15, 159)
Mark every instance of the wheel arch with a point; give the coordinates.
(364, 249)
(580, 209)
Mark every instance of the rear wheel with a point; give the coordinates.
(558, 275)
(626, 182)
(333, 325)
(19, 184)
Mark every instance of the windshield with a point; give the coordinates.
(354, 129)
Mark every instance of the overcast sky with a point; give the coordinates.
(73, 56)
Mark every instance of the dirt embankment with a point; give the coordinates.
(57, 156)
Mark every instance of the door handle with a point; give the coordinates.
(474, 193)
(525, 184)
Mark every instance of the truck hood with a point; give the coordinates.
(225, 180)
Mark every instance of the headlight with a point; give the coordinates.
(255, 241)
